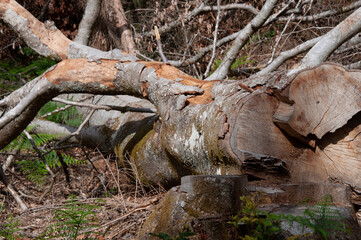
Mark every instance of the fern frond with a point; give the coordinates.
(69, 160)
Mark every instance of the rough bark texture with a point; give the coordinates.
(118, 27)
(45, 39)
(300, 128)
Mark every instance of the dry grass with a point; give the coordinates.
(122, 209)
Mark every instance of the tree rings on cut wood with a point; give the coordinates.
(322, 100)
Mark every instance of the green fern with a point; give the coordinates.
(324, 218)
(25, 65)
(73, 219)
(23, 143)
(35, 169)
(69, 116)
(69, 160)
(9, 228)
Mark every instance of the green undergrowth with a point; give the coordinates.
(69, 115)
(322, 218)
(237, 63)
(25, 65)
(9, 228)
(33, 167)
(70, 221)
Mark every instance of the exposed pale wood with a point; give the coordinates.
(264, 150)
(340, 153)
(323, 99)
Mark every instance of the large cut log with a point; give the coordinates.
(273, 127)
(244, 129)
(321, 107)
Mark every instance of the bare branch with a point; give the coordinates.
(118, 25)
(280, 12)
(201, 8)
(41, 156)
(331, 41)
(45, 39)
(159, 44)
(241, 39)
(351, 44)
(283, 31)
(325, 14)
(77, 132)
(91, 12)
(214, 40)
(232, 6)
(106, 107)
(10, 158)
(204, 51)
(283, 56)
(12, 191)
(110, 77)
(356, 65)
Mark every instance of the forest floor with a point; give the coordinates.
(114, 204)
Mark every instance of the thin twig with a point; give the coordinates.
(145, 57)
(65, 168)
(201, 8)
(106, 107)
(55, 111)
(214, 40)
(10, 158)
(115, 180)
(279, 39)
(325, 14)
(77, 132)
(12, 191)
(159, 44)
(139, 208)
(41, 156)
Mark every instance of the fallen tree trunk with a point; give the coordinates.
(303, 127)
(299, 128)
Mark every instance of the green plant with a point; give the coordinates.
(74, 219)
(9, 228)
(23, 143)
(69, 116)
(25, 65)
(35, 169)
(322, 218)
(256, 225)
(237, 63)
(181, 236)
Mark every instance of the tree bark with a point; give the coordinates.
(304, 127)
(118, 27)
(90, 15)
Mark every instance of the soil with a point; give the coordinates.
(123, 204)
